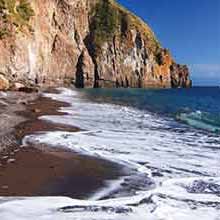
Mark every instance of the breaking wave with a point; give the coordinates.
(201, 120)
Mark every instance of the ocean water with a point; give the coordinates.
(168, 139)
(198, 107)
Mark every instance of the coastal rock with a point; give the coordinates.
(4, 83)
(18, 86)
(180, 76)
(90, 43)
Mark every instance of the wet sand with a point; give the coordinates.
(45, 171)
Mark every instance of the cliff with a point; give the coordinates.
(91, 43)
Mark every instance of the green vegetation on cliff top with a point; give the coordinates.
(15, 12)
(105, 21)
(109, 19)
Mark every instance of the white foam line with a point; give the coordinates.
(55, 139)
(112, 186)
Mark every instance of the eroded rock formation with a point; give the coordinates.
(91, 43)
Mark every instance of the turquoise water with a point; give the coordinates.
(198, 107)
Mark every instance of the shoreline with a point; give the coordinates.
(31, 171)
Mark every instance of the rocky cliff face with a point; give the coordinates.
(91, 43)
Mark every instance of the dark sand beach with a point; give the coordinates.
(43, 170)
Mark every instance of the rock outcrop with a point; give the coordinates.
(4, 83)
(90, 43)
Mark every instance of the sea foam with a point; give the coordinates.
(174, 170)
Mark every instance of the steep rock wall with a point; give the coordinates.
(65, 41)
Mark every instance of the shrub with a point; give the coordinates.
(19, 14)
(2, 5)
(3, 32)
(24, 10)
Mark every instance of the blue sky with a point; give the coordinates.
(190, 29)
